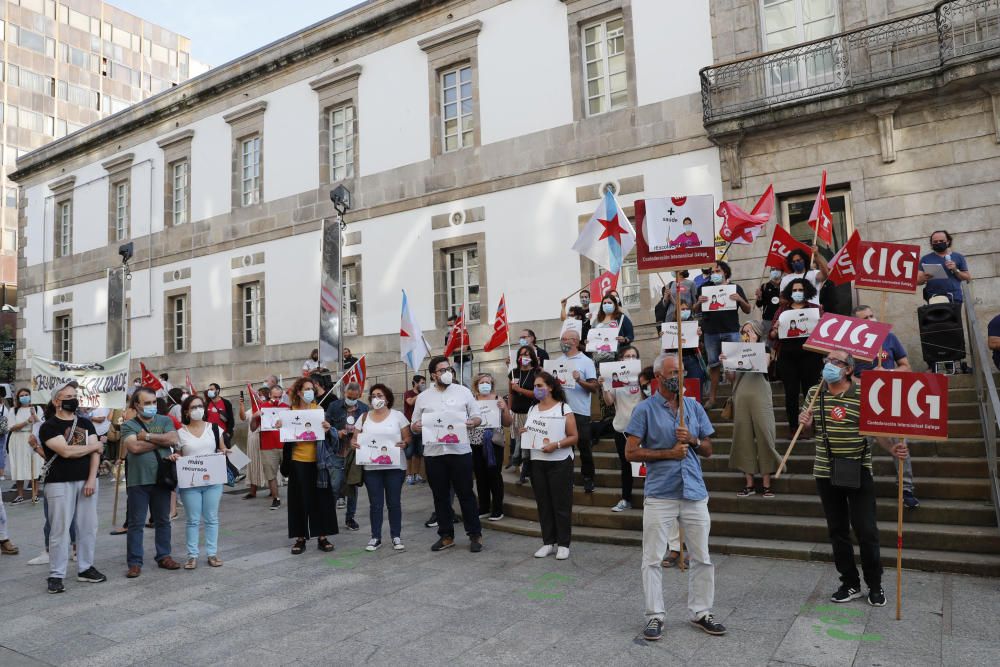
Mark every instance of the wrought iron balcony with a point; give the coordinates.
(955, 31)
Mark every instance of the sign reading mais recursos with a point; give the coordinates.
(906, 405)
(103, 384)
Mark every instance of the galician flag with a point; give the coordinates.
(412, 347)
(608, 236)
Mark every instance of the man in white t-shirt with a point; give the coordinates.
(312, 363)
(449, 466)
(578, 399)
(798, 263)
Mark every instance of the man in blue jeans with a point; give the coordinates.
(719, 325)
(344, 414)
(145, 436)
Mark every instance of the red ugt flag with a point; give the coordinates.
(738, 226)
(148, 379)
(783, 243)
(842, 265)
(254, 402)
(821, 219)
(356, 373)
(602, 284)
(458, 333)
(500, 328)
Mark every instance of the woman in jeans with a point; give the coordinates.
(552, 468)
(522, 397)
(487, 451)
(199, 438)
(624, 398)
(384, 482)
(798, 368)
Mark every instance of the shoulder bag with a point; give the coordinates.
(166, 471)
(845, 473)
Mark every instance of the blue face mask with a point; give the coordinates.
(775, 274)
(798, 297)
(798, 266)
(716, 278)
(24, 400)
(149, 411)
(308, 395)
(211, 393)
(608, 308)
(685, 314)
(522, 341)
(831, 373)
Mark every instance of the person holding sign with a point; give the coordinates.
(797, 367)
(719, 326)
(578, 397)
(753, 449)
(384, 483)
(487, 450)
(843, 472)
(669, 436)
(797, 262)
(522, 382)
(610, 316)
(199, 438)
(552, 466)
(310, 469)
(624, 398)
(943, 271)
(265, 470)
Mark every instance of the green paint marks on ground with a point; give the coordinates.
(832, 616)
(549, 586)
(346, 560)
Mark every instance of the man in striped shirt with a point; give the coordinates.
(836, 420)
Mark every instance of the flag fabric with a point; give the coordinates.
(738, 226)
(608, 236)
(190, 385)
(842, 265)
(356, 373)
(501, 328)
(782, 243)
(458, 334)
(254, 401)
(603, 284)
(821, 219)
(149, 380)
(412, 348)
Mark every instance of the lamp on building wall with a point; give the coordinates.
(341, 198)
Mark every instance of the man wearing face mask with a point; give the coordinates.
(798, 267)
(449, 466)
(954, 266)
(836, 422)
(674, 491)
(769, 297)
(578, 398)
(527, 337)
(219, 411)
(415, 450)
(343, 415)
(148, 437)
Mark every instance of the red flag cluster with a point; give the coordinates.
(738, 226)
(356, 373)
(148, 379)
(821, 219)
(459, 334)
(501, 328)
(783, 243)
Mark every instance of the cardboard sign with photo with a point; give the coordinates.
(689, 335)
(542, 431)
(489, 411)
(718, 298)
(604, 339)
(377, 450)
(268, 416)
(561, 371)
(302, 426)
(746, 357)
(571, 324)
(445, 428)
(799, 323)
(621, 373)
(675, 232)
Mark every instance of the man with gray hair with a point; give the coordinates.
(344, 414)
(585, 376)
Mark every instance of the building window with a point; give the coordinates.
(605, 67)
(10, 240)
(121, 211)
(786, 23)
(250, 170)
(179, 195)
(342, 133)
(352, 288)
(10, 200)
(177, 177)
(458, 123)
(178, 323)
(63, 337)
(462, 267)
(64, 228)
(250, 309)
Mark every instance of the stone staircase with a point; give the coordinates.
(953, 530)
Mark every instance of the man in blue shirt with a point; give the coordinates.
(675, 491)
(956, 269)
(578, 397)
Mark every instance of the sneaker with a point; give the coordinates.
(17, 501)
(476, 545)
(876, 598)
(40, 559)
(432, 522)
(588, 485)
(654, 630)
(545, 550)
(846, 593)
(56, 585)
(91, 576)
(562, 553)
(484, 515)
(496, 517)
(373, 544)
(397, 544)
(419, 480)
(352, 524)
(910, 501)
(275, 503)
(341, 503)
(622, 506)
(709, 625)
(745, 491)
(443, 543)
(409, 480)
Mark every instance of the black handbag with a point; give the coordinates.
(845, 473)
(166, 471)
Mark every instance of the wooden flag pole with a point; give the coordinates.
(812, 259)
(899, 539)
(680, 401)
(576, 292)
(798, 431)
(34, 479)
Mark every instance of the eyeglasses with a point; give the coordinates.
(836, 362)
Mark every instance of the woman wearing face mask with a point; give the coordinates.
(611, 316)
(219, 411)
(797, 367)
(199, 438)
(624, 399)
(769, 298)
(522, 397)
(487, 451)
(20, 453)
(753, 449)
(384, 483)
(527, 337)
(798, 267)
(720, 326)
(664, 311)
(552, 469)
(312, 505)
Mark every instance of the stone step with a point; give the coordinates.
(920, 449)
(985, 565)
(973, 539)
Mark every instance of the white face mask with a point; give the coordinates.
(378, 403)
(446, 378)
(197, 414)
(485, 387)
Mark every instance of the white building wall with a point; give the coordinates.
(290, 131)
(211, 167)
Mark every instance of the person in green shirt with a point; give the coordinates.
(145, 435)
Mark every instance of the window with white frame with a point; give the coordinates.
(178, 321)
(250, 308)
(179, 188)
(462, 267)
(64, 228)
(458, 121)
(786, 23)
(604, 66)
(250, 170)
(342, 143)
(629, 287)
(63, 332)
(121, 210)
(10, 240)
(351, 286)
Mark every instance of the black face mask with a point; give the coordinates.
(70, 405)
(939, 246)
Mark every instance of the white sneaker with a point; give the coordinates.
(397, 544)
(562, 553)
(622, 506)
(40, 559)
(546, 550)
(373, 544)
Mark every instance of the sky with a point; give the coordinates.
(221, 30)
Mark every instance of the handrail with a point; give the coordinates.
(986, 393)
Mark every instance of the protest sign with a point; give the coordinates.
(604, 339)
(542, 430)
(489, 411)
(718, 298)
(861, 338)
(444, 428)
(620, 373)
(797, 323)
(675, 232)
(268, 416)
(891, 267)
(103, 384)
(903, 404)
(689, 335)
(561, 371)
(572, 324)
(638, 468)
(205, 470)
(377, 450)
(746, 357)
(302, 426)
(238, 458)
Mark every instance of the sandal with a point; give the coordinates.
(768, 493)
(249, 496)
(324, 544)
(746, 491)
(191, 564)
(299, 546)
(214, 561)
(671, 559)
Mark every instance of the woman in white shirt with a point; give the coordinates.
(385, 430)
(624, 396)
(199, 438)
(23, 421)
(552, 466)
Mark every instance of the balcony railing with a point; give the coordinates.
(883, 53)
